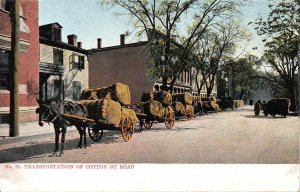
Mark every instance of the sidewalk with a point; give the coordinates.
(26, 129)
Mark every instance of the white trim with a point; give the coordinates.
(5, 110)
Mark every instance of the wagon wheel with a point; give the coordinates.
(169, 120)
(95, 133)
(127, 128)
(148, 124)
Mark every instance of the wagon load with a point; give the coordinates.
(118, 91)
(214, 105)
(88, 94)
(153, 108)
(185, 98)
(238, 103)
(129, 113)
(146, 96)
(104, 110)
(179, 108)
(163, 97)
(189, 109)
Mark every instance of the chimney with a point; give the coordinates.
(99, 43)
(79, 44)
(72, 40)
(122, 39)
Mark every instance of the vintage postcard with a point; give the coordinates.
(149, 95)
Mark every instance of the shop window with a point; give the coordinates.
(4, 69)
(76, 62)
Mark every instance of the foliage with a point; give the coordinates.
(214, 48)
(282, 31)
(164, 21)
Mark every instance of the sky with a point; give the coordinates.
(89, 21)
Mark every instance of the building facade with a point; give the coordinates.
(63, 67)
(29, 59)
(128, 63)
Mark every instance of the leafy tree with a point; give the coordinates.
(243, 73)
(282, 31)
(215, 46)
(161, 21)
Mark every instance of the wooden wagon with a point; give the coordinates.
(95, 128)
(146, 116)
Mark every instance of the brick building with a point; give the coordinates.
(127, 63)
(29, 59)
(63, 66)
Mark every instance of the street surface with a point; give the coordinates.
(228, 137)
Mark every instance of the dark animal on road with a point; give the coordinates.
(279, 106)
(52, 111)
(257, 108)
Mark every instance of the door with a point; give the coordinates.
(76, 87)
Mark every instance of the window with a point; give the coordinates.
(4, 69)
(7, 5)
(76, 62)
(76, 87)
(56, 34)
(58, 57)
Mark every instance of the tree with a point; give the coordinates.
(215, 46)
(281, 28)
(243, 73)
(160, 21)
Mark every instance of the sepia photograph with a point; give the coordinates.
(149, 95)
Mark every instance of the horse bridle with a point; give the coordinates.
(50, 114)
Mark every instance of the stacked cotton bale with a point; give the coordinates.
(88, 94)
(185, 98)
(189, 109)
(163, 97)
(104, 110)
(129, 113)
(179, 109)
(212, 103)
(146, 96)
(238, 103)
(119, 92)
(153, 108)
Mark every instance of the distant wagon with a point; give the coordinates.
(155, 106)
(226, 102)
(278, 106)
(183, 105)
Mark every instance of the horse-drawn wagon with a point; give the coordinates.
(108, 109)
(155, 106)
(183, 105)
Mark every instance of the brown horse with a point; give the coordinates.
(52, 111)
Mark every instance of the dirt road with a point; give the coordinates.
(227, 137)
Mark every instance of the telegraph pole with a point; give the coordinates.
(14, 69)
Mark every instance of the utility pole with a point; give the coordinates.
(14, 69)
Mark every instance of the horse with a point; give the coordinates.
(52, 111)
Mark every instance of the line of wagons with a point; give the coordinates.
(110, 108)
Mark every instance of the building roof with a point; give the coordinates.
(55, 23)
(140, 43)
(62, 45)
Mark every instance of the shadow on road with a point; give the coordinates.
(262, 117)
(37, 148)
